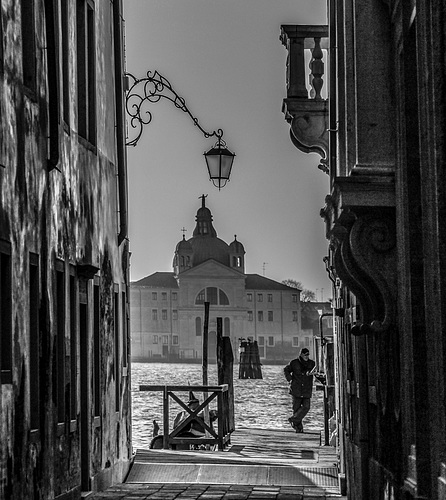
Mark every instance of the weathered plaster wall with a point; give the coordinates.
(68, 214)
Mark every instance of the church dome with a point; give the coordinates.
(206, 248)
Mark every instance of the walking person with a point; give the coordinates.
(299, 373)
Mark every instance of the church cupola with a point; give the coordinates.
(204, 225)
(237, 255)
(183, 256)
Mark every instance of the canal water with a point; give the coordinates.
(259, 403)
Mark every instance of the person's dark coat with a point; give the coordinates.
(295, 372)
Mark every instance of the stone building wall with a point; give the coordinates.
(65, 395)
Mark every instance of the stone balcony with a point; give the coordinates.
(305, 108)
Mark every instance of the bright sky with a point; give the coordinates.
(225, 58)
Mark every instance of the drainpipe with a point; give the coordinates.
(120, 121)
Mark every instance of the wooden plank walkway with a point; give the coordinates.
(255, 457)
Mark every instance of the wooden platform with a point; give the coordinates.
(255, 457)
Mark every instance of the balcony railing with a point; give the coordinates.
(305, 108)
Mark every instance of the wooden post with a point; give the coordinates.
(225, 367)
(166, 418)
(205, 344)
(205, 362)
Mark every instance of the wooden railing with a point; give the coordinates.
(173, 437)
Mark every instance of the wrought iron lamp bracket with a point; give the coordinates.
(151, 89)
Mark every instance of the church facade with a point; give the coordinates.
(167, 308)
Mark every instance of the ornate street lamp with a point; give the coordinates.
(145, 91)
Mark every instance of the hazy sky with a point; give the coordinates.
(225, 58)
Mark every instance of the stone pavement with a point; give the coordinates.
(175, 491)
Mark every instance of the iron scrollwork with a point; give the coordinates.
(151, 89)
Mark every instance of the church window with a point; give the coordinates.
(236, 261)
(198, 327)
(200, 297)
(250, 317)
(188, 260)
(182, 261)
(224, 301)
(227, 327)
(213, 295)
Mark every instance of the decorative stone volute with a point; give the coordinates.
(362, 237)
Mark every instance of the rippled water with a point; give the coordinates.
(262, 403)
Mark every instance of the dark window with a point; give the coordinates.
(249, 296)
(174, 295)
(227, 327)
(73, 346)
(60, 341)
(155, 314)
(198, 327)
(261, 341)
(86, 64)
(5, 314)
(260, 315)
(34, 341)
(174, 339)
(211, 293)
(270, 316)
(155, 339)
(175, 314)
(96, 351)
(224, 301)
(117, 359)
(260, 297)
(65, 5)
(154, 296)
(164, 314)
(270, 297)
(28, 44)
(164, 295)
(250, 316)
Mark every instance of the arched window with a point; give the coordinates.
(213, 295)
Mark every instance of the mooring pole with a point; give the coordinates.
(205, 344)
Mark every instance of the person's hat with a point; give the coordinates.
(304, 351)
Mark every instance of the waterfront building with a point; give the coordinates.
(167, 308)
(380, 133)
(65, 392)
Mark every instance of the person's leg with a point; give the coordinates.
(301, 412)
(297, 403)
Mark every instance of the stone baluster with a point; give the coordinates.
(317, 70)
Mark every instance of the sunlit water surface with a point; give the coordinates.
(262, 403)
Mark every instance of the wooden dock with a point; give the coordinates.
(254, 457)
